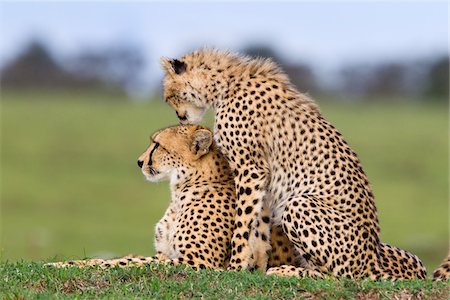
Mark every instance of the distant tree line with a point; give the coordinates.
(120, 68)
(415, 79)
(117, 68)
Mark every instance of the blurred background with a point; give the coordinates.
(81, 94)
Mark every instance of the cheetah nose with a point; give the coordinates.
(182, 118)
(140, 163)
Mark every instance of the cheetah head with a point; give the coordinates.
(174, 151)
(181, 86)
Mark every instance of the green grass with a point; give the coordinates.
(70, 186)
(32, 280)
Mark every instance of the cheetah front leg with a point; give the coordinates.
(163, 233)
(250, 185)
(260, 243)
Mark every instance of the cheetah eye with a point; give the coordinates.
(160, 147)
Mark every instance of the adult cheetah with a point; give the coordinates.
(197, 226)
(285, 154)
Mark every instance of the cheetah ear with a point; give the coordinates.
(201, 142)
(155, 134)
(173, 65)
(165, 64)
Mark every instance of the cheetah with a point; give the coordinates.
(443, 271)
(284, 154)
(196, 228)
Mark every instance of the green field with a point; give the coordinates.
(32, 280)
(70, 186)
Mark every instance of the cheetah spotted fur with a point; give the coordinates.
(196, 229)
(286, 155)
(443, 271)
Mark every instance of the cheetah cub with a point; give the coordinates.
(197, 227)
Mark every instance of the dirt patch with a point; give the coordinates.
(441, 294)
(176, 276)
(76, 286)
(402, 295)
(39, 286)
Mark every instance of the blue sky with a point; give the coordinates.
(323, 34)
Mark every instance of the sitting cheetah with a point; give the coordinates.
(197, 226)
(443, 271)
(286, 155)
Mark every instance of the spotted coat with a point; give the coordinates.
(197, 227)
(285, 155)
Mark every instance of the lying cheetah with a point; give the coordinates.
(286, 155)
(197, 227)
(443, 271)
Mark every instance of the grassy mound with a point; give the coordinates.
(33, 280)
